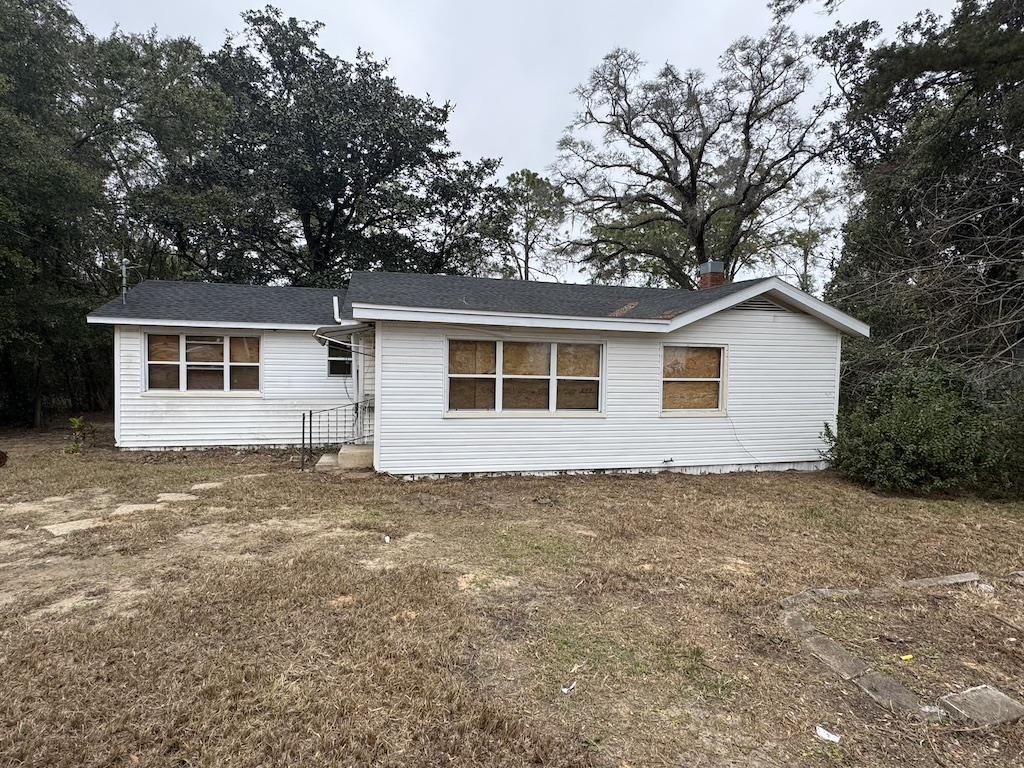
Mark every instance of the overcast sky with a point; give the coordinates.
(509, 66)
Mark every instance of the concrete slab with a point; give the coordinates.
(983, 706)
(943, 581)
(62, 529)
(355, 457)
(834, 656)
(794, 621)
(130, 509)
(176, 497)
(889, 694)
(206, 486)
(327, 463)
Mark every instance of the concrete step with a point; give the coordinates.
(355, 457)
(327, 463)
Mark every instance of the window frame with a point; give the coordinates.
(183, 364)
(350, 359)
(552, 377)
(722, 379)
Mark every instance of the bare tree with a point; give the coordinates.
(672, 171)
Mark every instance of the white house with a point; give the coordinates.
(446, 374)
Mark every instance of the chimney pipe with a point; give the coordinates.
(712, 274)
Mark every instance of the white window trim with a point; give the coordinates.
(723, 384)
(552, 376)
(182, 364)
(347, 346)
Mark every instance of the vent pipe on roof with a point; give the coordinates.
(712, 274)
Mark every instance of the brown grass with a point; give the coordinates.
(271, 622)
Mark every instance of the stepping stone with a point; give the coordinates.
(176, 497)
(983, 706)
(1017, 577)
(130, 509)
(834, 656)
(60, 529)
(887, 693)
(795, 622)
(943, 581)
(251, 477)
(206, 486)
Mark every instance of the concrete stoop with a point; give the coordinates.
(350, 457)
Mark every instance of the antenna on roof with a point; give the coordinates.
(124, 281)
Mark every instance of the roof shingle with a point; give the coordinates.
(518, 296)
(172, 300)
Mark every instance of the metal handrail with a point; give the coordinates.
(348, 424)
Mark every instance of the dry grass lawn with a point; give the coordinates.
(283, 618)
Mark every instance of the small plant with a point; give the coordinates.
(82, 432)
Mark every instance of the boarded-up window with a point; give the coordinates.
(472, 375)
(244, 355)
(525, 394)
(163, 354)
(692, 379)
(204, 349)
(163, 348)
(209, 363)
(164, 376)
(205, 377)
(469, 394)
(525, 359)
(471, 357)
(579, 377)
(523, 376)
(578, 395)
(579, 360)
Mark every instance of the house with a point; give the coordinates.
(437, 374)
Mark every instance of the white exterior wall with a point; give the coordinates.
(293, 371)
(781, 389)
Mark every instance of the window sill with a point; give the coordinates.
(695, 413)
(525, 415)
(249, 394)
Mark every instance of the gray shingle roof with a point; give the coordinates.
(172, 300)
(489, 295)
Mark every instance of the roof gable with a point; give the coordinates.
(484, 301)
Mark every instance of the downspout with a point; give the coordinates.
(337, 311)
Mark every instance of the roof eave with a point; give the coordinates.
(169, 323)
(361, 311)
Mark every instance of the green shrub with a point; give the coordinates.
(920, 429)
(1007, 473)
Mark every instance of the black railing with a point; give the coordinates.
(349, 424)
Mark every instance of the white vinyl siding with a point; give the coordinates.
(781, 370)
(294, 379)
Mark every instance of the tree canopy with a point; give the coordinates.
(670, 171)
(933, 251)
(266, 160)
